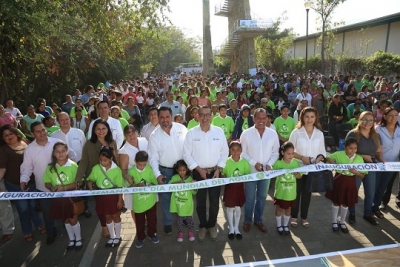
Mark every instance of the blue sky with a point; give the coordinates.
(187, 15)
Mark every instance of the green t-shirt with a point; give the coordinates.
(341, 158)
(213, 93)
(334, 87)
(236, 168)
(192, 123)
(271, 104)
(245, 124)
(174, 88)
(114, 174)
(330, 93)
(52, 129)
(184, 96)
(358, 85)
(143, 201)
(285, 185)
(72, 113)
(230, 96)
(123, 123)
(67, 174)
(125, 114)
(284, 127)
(226, 124)
(353, 122)
(369, 83)
(182, 201)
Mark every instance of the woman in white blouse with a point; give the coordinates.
(127, 155)
(309, 143)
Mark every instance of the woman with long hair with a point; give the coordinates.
(370, 148)
(193, 102)
(12, 149)
(101, 136)
(309, 145)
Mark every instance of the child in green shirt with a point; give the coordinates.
(354, 121)
(60, 176)
(107, 175)
(182, 202)
(224, 122)
(285, 187)
(144, 204)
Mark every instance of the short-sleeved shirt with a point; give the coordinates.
(366, 146)
(226, 124)
(182, 201)
(67, 174)
(284, 127)
(192, 123)
(28, 120)
(114, 175)
(236, 168)
(143, 201)
(285, 185)
(341, 158)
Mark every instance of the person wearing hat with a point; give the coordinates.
(243, 122)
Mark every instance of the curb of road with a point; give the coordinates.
(88, 256)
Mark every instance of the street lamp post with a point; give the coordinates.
(307, 5)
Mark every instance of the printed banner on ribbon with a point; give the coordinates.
(374, 167)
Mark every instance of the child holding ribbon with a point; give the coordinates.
(107, 175)
(182, 201)
(285, 187)
(60, 176)
(344, 191)
(234, 197)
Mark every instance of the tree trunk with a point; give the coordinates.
(323, 48)
(208, 62)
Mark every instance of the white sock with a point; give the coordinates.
(77, 231)
(118, 230)
(343, 213)
(278, 221)
(70, 231)
(335, 211)
(286, 220)
(110, 227)
(238, 213)
(229, 212)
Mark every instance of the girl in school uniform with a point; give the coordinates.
(107, 175)
(182, 201)
(285, 187)
(60, 176)
(344, 193)
(234, 197)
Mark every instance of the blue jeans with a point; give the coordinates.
(256, 195)
(26, 208)
(369, 183)
(382, 180)
(165, 198)
(45, 204)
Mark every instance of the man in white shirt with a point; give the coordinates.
(152, 125)
(13, 110)
(205, 152)
(37, 156)
(175, 106)
(115, 125)
(165, 149)
(260, 147)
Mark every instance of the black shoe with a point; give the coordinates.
(71, 246)
(280, 230)
(286, 230)
(87, 214)
(352, 218)
(239, 236)
(335, 227)
(77, 248)
(50, 239)
(231, 236)
(371, 220)
(343, 228)
(168, 229)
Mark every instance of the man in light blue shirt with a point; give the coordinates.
(171, 103)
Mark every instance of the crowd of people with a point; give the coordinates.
(183, 128)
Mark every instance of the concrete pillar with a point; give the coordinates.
(208, 61)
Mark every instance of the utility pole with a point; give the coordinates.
(208, 60)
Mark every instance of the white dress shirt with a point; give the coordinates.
(205, 149)
(148, 129)
(263, 149)
(164, 149)
(308, 147)
(36, 160)
(116, 130)
(302, 96)
(74, 138)
(131, 151)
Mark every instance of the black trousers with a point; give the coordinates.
(303, 198)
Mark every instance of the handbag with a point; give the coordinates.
(321, 181)
(78, 207)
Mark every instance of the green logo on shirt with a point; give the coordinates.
(260, 175)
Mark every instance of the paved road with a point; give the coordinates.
(255, 246)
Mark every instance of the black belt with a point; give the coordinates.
(166, 167)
